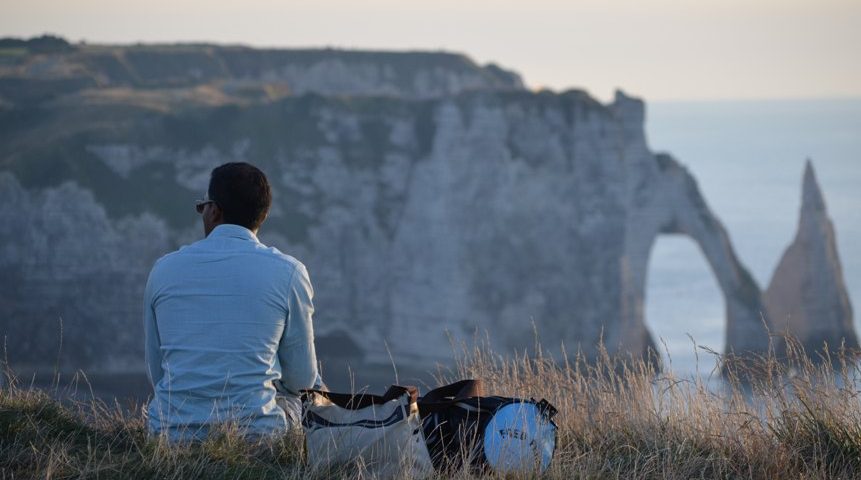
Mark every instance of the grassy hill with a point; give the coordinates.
(795, 421)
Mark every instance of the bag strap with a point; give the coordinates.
(546, 408)
(454, 391)
(442, 398)
(363, 400)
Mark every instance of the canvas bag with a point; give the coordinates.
(379, 434)
(497, 434)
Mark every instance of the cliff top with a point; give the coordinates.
(38, 69)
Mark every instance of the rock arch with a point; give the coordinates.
(677, 207)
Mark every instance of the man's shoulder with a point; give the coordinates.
(261, 254)
(173, 256)
(278, 257)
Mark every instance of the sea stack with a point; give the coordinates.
(807, 297)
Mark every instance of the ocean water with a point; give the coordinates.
(748, 158)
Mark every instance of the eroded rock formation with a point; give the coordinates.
(421, 217)
(70, 277)
(807, 298)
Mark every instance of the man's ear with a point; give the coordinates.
(217, 214)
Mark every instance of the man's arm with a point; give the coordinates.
(152, 344)
(296, 350)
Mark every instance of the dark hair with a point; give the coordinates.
(242, 193)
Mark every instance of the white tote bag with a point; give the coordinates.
(381, 435)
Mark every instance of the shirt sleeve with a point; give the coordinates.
(296, 350)
(152, 344)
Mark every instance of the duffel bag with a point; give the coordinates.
(488, 433)
(379, 434)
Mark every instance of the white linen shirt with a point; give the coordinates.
(227, 320)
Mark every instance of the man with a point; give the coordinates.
(227, 320)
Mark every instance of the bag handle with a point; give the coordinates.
(454, 392)
(362, 400)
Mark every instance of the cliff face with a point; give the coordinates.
(419, 218)
(807, 297)
(71, 277)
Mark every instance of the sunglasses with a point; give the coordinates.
(201, 204)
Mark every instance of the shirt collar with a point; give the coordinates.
(229, 230)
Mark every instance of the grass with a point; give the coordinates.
(13, 52)
(797, 418)
(40, 438)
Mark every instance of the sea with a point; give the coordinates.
(748, 158)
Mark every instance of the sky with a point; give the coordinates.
(661, 50)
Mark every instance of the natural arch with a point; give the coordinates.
(682, 301)
(674, 205)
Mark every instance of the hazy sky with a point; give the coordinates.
(658, 49)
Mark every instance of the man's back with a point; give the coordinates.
(226, 318)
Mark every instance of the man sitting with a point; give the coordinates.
(227, 321)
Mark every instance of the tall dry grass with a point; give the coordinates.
(794, 418)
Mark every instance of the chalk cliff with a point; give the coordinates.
(422, 214)
(807, 297)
